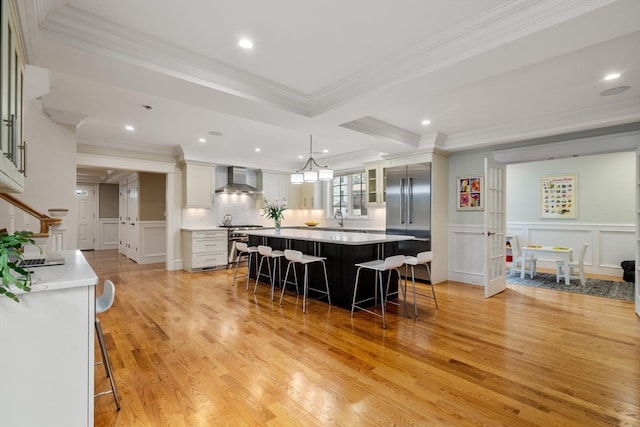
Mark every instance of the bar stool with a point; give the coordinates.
(423, 258)
(294, 257)
(247, 251)
(103, 303)
(379, 266)
(268, 252)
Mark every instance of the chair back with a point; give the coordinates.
(393, 262)
(583, 252)
(293, 255)
(105, 300)
(424, 257)
(515, 248)
(265, 250)
(241, 246)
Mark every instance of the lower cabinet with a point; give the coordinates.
(204, 249)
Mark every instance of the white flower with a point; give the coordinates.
(274, 209)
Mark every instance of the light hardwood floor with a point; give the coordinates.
(192, 350)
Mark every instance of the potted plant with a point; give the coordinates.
(274, 209)
(11, 250)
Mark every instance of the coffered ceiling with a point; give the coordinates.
(360, 75)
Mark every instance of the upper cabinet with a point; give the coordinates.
(11, 81)
(310, 195)
(277, 186)
(198, 184)
(376, 183)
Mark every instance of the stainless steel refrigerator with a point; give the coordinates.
(408, 208)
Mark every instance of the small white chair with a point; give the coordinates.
(103, 303)
(422, 258)
(517, 259)
(572, 266)
(245, 252)
(379, 266)
(297, 257)
(268, 253)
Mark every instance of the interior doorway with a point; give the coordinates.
(86, 205)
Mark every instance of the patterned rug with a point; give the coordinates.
(596, 287)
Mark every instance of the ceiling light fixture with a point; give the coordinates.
(202, 140)
(612, 76)
(129, 128)
(426, 122)
(303, 175)
(245, 44)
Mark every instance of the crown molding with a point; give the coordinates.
(506, 23)
(119, 145)
(511, 21)
(609, 114)
(82, 30)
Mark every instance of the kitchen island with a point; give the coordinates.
(342, 250)
(48, 347)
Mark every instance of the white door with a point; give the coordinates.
(86, 203)
(638, 231)
(122, 220)
(495, 226)
(132, 224)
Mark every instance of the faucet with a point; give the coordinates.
(337, 215)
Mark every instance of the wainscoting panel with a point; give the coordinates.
(152, 242)
(467, 246)
(107, 237)
(615, 246)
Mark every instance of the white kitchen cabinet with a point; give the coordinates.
(11, 107)
(198, 184)
(47, 355)
(376, 183)
(310, 195)
(277, 186)
(204, 249)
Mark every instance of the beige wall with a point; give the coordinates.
(108, 201)
(152, 196)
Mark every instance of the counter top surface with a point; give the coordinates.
(203, 228)
(75, 272)
(325, 236)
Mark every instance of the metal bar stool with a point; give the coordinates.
(423, 258)
(247, 251)
(294, 257)
(267, 252)
(379, 266)
(103, 303)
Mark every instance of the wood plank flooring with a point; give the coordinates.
(193, 350)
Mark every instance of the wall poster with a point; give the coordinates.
(559, 196)
(470, 193)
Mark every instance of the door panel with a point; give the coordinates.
(86, 205)
(495, 226)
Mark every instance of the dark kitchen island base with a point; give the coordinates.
(341, 260)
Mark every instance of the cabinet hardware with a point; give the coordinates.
(23, 158)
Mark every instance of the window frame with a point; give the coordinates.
(349, 196)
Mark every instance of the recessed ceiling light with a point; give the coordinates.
(202, 140)
(245, 43)
(425, 122)
(612, 76)
(129, 128)
(325, 151)
(301, 157)
(258, 149)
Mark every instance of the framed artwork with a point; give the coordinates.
(559, 196)
(470, 193)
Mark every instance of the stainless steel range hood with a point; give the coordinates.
(237, 182)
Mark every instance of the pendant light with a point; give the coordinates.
(322, 173)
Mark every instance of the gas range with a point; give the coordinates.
(235, 233)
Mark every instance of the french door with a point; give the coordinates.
(495, 226)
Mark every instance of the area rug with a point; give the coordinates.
(595, 287)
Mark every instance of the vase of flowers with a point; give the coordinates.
(274, 209)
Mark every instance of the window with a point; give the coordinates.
(348, 195)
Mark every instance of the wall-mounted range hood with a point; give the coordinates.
(237, 182)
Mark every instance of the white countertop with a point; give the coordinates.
(75, 272)
(325, 236)
(203, 228)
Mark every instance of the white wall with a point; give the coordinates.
(51, 174)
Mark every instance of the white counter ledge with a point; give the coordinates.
(326, 236)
